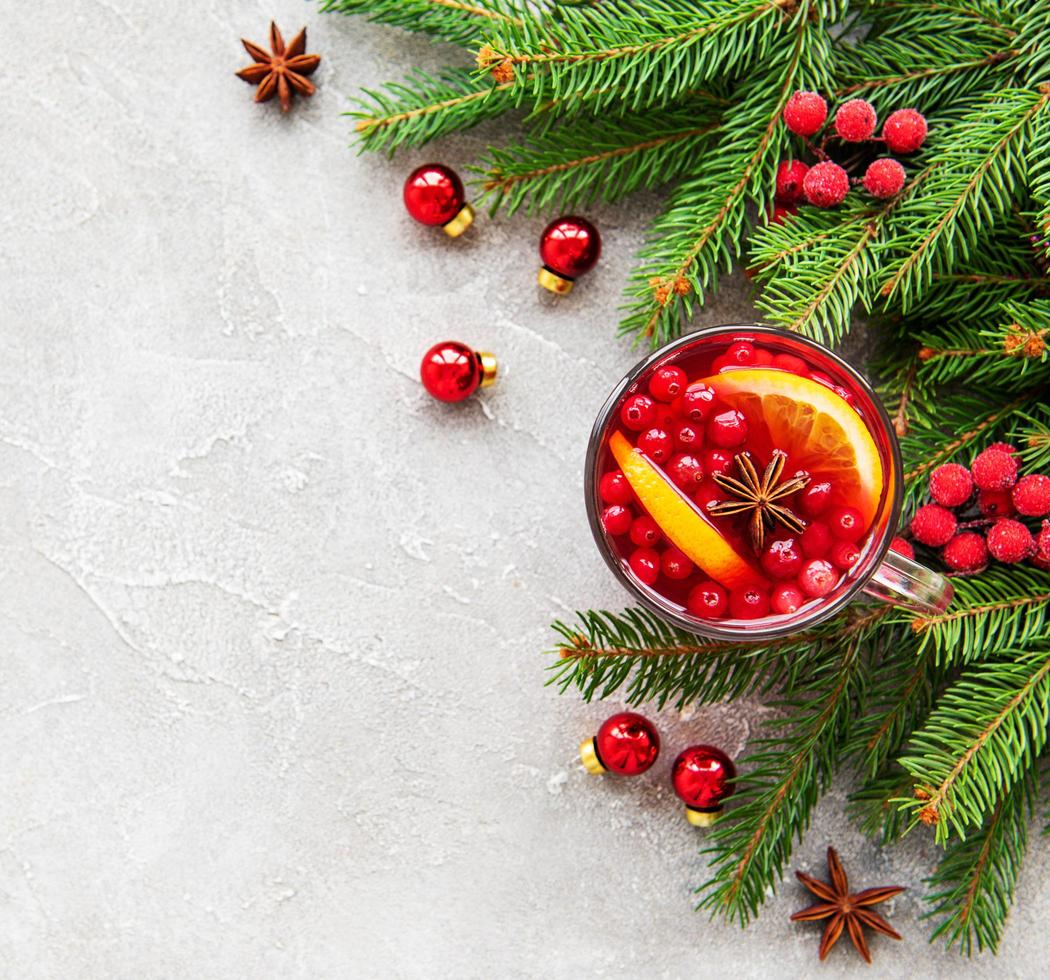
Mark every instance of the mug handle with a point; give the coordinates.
(903, 582)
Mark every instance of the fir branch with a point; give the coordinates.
(978, 166)
(973, 887)
(872, 808)
(818, 264)
(999, 608)
(635, 54)
(704, 225)
(587, 159)
(458, 21)
(986, 729)
(423, 107)
(1031, 434)
(781, 784)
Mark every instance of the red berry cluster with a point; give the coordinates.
(998, 501)
(825, 184)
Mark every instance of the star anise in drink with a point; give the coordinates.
(757, 496)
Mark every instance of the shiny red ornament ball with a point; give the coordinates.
(434, 195)
(451, 371)
(805, 113)
(855, 120)
(702, 779)
(626, 744)
(904, 131)
(826, 185)
(569, 247)
(884, 178)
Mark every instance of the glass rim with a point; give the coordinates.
(708, 628)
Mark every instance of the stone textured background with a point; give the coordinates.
(272, 694)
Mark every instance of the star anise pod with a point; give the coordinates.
(281, 70)
(845, 910)
(759, 495)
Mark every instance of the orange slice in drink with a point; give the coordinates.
(818, 429)
(679, 519)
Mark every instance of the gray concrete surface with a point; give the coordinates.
(272, 694)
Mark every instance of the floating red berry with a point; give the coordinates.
(790, 174)
(995, 503)
(789, 362)
(697, 401)
(951, 485)
(645, 563)
(1031, 495)
(616, 519)
(727, 429)
(676, 564)
(718, 461)
(933, 525)
(569, 247)
(902, 547)
(884, 178)
(817, 578)
(688, 436)
(1010, 541)
(805, 113)
(813, 501)
(855, 120)
(627, 744)
(638, 413)
(826, 185)
(748, 603)
(451, 371)
(645, 531)
(846, 523)
(657, 444)
(904, 131)
(844, 555)
(966, 553)
(994, 469)
(707, 600)
(786, 598)
(434, 195)
(614, 488)
(741, 354)
(702, 777)
(686, 471)
(782, 558)
(667, 383)
(816, 540)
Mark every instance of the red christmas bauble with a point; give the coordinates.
(451, 371)
(434, 195)
(701, 776)
(626, 743)
(569, 247)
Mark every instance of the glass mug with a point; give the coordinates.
(744, 482)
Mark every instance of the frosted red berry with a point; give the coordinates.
(667, 383)
(813, 501)
(845, 523)
(790, 174)
(884, 178)
(816, 540)
(645, 532)
(826, 185)
(727, 429)
(675, 564)
(777, 214)
(902, 547)
(645, 563)
(995, 503)
(1010, 541)
(696, 402)
(1031, 495)
(782, 558)
(994, 469)
(613, 488)
(688, 436)
(1004, 446)
(707, 600)
(1042, 543)
(786, 598)
(817, 578)
(933, 525)
(904, 131)
(638, 413)
(805, 113)
(855, 120)
(966, 553)
(657, 444)
(616, 519)
(748, 603)
(686, 471)
(951, 485)
(844, 555)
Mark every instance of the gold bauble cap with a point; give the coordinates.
(460, 223)
(554, 282)
(701, 818)
(489, 368)
(589, 758)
